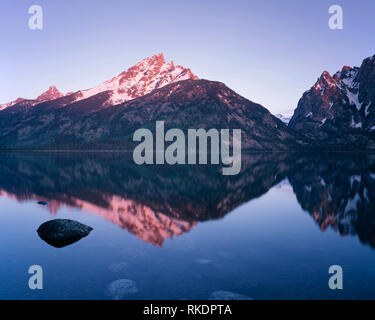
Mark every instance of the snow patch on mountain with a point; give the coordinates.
(353, 99)
(283, 118)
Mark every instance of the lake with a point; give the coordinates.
(187, 231)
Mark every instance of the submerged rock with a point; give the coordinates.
(117, 267)
(62, 232)
(120, 288)
(227, 295)
(203, 261)
(43, 203)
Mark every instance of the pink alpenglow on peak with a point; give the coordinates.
(147, 75)
(51, 94)
(12, 103)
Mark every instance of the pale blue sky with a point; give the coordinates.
(269, 51)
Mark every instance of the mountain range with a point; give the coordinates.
(336, 113)
(339, 110)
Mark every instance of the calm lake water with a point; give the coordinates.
(184, 232)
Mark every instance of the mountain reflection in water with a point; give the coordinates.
(162, 201)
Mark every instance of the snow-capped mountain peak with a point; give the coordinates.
(345, 100)
(147, 75)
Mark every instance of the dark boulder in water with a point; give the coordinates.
(62, 232)
(43, 203)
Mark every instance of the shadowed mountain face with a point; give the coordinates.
(339, 111)
(158, 202)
